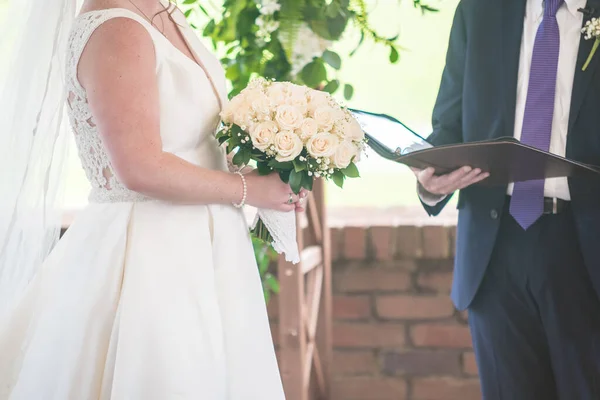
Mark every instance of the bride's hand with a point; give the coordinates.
(270, 192)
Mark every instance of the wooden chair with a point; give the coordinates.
(305, 325)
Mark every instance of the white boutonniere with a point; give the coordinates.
(591, 30)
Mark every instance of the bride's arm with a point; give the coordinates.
(117, 69)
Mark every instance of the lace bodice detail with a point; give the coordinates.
(190, 99)
(94, 159)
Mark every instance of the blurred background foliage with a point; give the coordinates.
(289, 40)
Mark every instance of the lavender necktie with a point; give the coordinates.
(527, 204)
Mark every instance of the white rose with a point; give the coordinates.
(344, 154)
(288, 146)
(297, 91)
(263, 135)
(318, 96)
(341, 128)
(322, 145)
(355, 131)
(243, 116)
(250, 93)
(288, 117)
(277, 93)
(256, 84)
(325, 117)
(260, 104)
(308, 129)
(349, 129)
(297, 98)
(317, 99)
(227, 115)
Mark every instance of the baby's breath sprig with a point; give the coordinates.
(591, 30)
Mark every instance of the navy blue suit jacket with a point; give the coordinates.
(477, 100)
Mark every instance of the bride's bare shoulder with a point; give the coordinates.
(123, 43)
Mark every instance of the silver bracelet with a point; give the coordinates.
(245, 192)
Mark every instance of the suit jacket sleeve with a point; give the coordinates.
(447, 113)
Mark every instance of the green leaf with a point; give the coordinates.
(336, 26)
(351, 171)
(262, 261)
(188, 12)
(332, 86)
(222, 139)
(307, 181)
(260, 253)
(281, 166)
(263, 168)
(299, 165)
(338, 178)
(394, 55)
(201, 8)
(189, 1)
(328, 27)
(233, 72)
(257, 155)
(348, 91)
(285, 175)
(272, 283)
(332, 59)
(314, 73)
(246, 21)
(333, 10)
(230, 148)
(360, 42)
(220, 134)
(235, 130)
(295, 181)
(247, 155)
(234, 140)
(239, 157)
(210, 28)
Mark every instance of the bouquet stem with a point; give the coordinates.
(261, 232)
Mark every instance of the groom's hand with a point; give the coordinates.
(443, 185)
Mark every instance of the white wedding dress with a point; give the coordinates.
(142, 299)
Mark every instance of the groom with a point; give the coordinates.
(528, 255)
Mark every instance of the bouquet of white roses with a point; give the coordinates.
(297, 132)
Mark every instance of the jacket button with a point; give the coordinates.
(494, 214)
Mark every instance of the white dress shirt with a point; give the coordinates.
(569, 22)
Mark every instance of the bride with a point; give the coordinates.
(153, 293)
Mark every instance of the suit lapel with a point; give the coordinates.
(513, 15)
(583, 78)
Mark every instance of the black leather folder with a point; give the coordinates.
(506, 159)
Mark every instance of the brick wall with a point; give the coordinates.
(396, 334)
